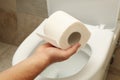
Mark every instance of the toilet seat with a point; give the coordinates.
(99, 42)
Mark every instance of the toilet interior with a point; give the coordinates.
(68, 67)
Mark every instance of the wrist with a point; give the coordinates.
(41, 59)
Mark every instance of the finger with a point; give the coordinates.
(48, 44)
(72, 50)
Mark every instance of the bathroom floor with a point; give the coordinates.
(7, 51)
(6, 54)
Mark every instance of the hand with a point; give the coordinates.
(54, 54)
(43, 56)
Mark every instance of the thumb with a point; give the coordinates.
(72, 50)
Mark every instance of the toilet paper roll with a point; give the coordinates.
(63, 30)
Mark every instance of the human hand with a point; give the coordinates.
(54, 54)
(43, 56)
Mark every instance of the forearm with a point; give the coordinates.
(26, 70)
(34, 65)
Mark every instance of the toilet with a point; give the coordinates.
(92, 61)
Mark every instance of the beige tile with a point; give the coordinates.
(34, 7)
(8, 5)
(113, 77)
(15, 27)
(6, 57)
(8, 26)
(26, 24)
(3, 47)
(116, 63)
(114, 71)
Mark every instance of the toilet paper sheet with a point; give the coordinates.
(62, 30)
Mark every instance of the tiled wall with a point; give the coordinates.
(30, 13)
(33, 7)
(8, 21)
(18, 18)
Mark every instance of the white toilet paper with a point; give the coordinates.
(63, 30)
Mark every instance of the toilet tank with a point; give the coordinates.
(94, 12)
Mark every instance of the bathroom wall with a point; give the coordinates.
(8, 21)
(18, 18)
(30, 13)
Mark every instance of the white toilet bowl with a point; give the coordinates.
(99, 48)
(99, 43)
